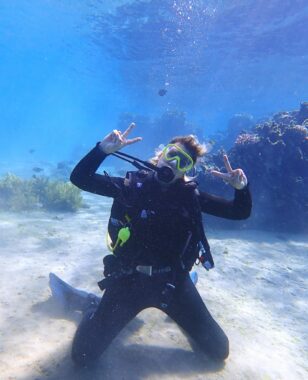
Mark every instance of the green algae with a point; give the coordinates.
(18, 194)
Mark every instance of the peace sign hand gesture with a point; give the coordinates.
(117, 140)
(235, 178)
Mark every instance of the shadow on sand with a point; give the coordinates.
(121, 360)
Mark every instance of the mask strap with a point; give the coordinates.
(135, 161)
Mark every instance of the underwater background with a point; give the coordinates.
(71, 72)
(235, 73)
(70, 69)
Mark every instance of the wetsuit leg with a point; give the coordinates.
(120, 304)
(188, 310)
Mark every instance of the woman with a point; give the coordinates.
(156, 234)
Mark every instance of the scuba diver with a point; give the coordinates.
(156, 235)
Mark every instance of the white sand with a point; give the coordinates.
(258, 294)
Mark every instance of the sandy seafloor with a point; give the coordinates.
(257, 292)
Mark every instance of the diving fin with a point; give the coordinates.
(69, 298)
(72, 299)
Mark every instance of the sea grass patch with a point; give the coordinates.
(18, 194)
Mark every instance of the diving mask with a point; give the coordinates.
(171, 152)
(183, 160)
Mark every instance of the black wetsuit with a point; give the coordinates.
(131, 294)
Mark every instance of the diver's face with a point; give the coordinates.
(172, 164)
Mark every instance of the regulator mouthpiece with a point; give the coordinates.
(165, 174)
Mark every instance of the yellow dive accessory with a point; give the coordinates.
(123, 236)
(173, 152)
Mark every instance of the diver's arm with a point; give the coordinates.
(85, 177)
(238, 208)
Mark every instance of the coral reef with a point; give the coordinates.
(302, 115)
(246, 139)
(17, 194)
(275, 158)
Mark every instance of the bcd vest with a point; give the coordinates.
(159, 227)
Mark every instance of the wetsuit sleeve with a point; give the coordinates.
(85, 177)
(238, 208)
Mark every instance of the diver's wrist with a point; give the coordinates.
(101, 148)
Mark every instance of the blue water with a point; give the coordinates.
(73, 70)
(68, 69)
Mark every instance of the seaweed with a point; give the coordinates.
(61, 196)
(18, 194)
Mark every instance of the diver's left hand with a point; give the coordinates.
(235, 177)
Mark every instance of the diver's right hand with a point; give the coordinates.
(117, 140)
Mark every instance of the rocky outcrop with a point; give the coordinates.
(274, 155)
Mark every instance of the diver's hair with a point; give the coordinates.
(190, 143)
